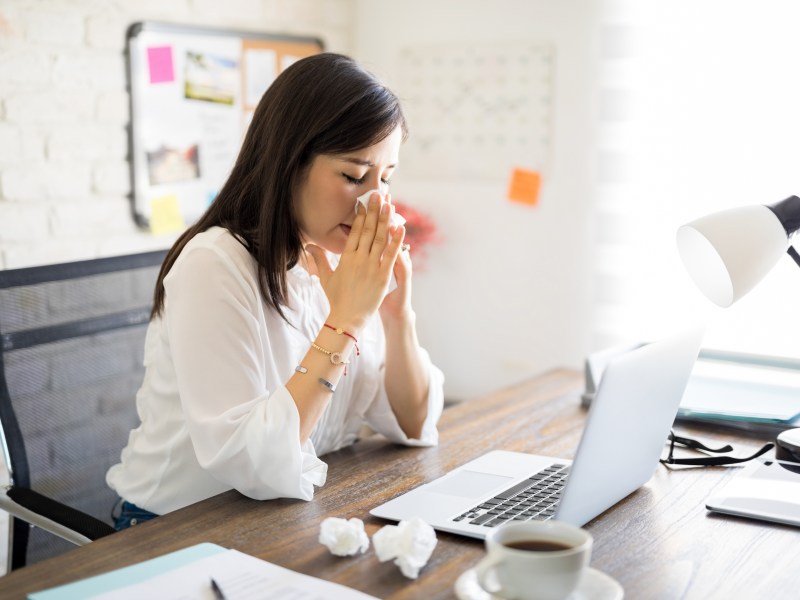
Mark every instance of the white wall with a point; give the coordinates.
(64, 174)
(505, 295)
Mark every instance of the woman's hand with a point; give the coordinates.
(405, 377)
(397, 303)
(358, 285)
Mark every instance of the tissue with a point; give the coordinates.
(343, 537)
(396, 219)
(410, 543)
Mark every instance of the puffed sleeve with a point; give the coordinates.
(242, 421)
(382, 419)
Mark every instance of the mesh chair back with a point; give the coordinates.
(72, 348)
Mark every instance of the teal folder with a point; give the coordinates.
(124, 577)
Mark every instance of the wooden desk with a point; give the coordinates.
(660, 542)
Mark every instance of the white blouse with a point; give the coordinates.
(215, 412)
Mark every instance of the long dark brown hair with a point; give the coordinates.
(323, 104)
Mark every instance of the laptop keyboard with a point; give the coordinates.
(534, 498)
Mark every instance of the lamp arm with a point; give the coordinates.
(794, 254)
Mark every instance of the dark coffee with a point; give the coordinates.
(538, 545)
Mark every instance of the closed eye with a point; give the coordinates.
(353, 180)
(356, 181)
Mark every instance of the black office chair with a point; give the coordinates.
(72, 341)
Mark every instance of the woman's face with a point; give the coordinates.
(326, 197)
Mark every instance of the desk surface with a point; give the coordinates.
(660, 542)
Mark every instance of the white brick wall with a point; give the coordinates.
(10, 142)
(57, 27)
(64, 175)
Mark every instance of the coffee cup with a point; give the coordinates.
(534, 560)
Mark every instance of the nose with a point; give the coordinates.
(375, 183)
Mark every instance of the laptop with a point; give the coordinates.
(626, 429)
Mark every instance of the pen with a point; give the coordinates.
(217, 590)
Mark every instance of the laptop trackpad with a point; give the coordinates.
(468, 484)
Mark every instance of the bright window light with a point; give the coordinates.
(711, 121)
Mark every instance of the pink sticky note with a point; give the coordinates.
(159, 59)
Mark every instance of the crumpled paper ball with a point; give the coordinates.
(410, 543)
(343, 537)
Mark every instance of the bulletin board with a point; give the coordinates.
(193, 92)
(477, 110)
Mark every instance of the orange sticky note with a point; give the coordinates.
(524, 186)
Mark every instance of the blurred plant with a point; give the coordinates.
(420, 232)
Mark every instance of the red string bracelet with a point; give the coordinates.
(341, 331)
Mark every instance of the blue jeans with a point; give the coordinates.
(130, 515)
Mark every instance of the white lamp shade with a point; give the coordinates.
(728, 253)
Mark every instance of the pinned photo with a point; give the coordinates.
(170, 165)
(211, 78)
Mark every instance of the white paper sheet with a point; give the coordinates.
(240, 576)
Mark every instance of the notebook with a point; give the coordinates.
(626, 429)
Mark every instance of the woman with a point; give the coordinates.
(273, 338)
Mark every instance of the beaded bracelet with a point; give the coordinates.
(335, 357)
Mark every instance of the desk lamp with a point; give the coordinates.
(729, 252)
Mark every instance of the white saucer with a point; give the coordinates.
(595, 585)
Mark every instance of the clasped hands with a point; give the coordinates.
(356, 289)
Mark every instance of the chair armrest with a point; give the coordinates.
(53, 516)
